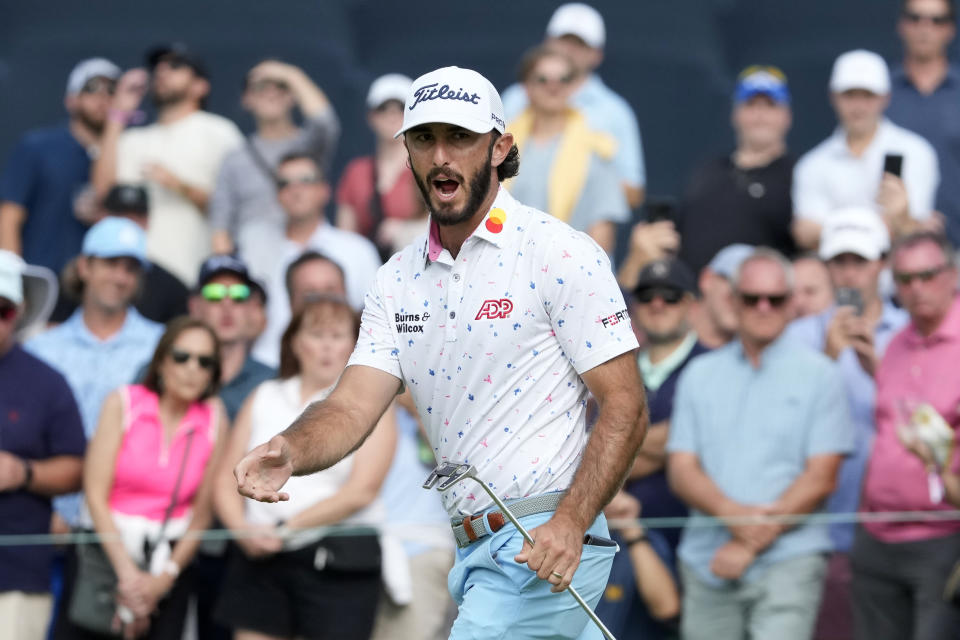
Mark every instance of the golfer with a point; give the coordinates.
(498, 322)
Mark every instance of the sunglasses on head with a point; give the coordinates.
(283, 183)
(7, 312)
(776, 300)
(916, 18)
(183, 357)
(215, 292)
(905, 278)
(669, 296)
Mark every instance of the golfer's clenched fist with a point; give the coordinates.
(263, 472)
(556, 554)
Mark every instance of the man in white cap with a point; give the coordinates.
(41, 455)
(499, 321)
(44, 208)
(578, 31)
(245, 195)
(868, 161)
(854, 333)
(377, 196)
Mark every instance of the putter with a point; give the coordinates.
(450, 473)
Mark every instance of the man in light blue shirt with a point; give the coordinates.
(854, 333)
(103, 344)
(759, 427)
(577, 30)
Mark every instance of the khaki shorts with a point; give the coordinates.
(24, 616)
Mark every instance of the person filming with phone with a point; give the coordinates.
(854, 332)
(867, 162)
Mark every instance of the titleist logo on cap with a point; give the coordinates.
(429, 92)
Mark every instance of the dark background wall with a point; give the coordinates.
(675, 61)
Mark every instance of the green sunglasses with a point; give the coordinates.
(215, 292)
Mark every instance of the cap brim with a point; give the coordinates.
(40, 291)
(471, 124)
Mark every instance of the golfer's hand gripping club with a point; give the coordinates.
(448, 474)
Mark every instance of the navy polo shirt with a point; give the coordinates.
(45, 173)
(936, 117)
(235, 392)
(39, 419)
(653, 491)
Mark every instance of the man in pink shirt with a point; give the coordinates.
(899, 568)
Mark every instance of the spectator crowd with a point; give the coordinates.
(174, 292)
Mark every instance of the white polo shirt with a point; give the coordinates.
(829, 177)
(491, 345)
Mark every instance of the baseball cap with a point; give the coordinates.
(219, 264)
(669, 273)
(727, 260)
(87, 70)
(454, 96)
(854, 230)
(860, 69)
(578, 19)
(31, 286)
(393, 86)
(116, 238)
(762, 81)
(180, 52)
(127, 198)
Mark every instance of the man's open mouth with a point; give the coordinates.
(445, 187)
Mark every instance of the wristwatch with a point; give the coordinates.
(27, 474)
(640, 537)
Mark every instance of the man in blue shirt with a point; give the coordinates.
(855, 334)
(45, 202)
(577, 30)
(103, 344)
(41, 455)
(925, 94)
(759, 427)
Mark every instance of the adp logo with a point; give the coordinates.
(493, 309)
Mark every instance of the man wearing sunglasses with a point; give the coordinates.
(43, 213)
(245, 195)
(925, 92)
(759, 427)
(854, 333)
(900, 568)
(178, 157)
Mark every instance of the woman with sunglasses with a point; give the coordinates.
(148, 479)
(287, 580)
(567, 169)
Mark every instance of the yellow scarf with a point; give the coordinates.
(571, 162)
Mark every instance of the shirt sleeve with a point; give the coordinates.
(831, 430)
(683, 434)
(628, 160)
(20, 175)
(921, 176)
(128, 158)
(809, 199)
(321, 135)
(377, 344)
(602, 199)
(64, 428)
(583, 300)
(361, 271)
(223, 204)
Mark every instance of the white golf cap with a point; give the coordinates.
(453, 96)
(393, 86)
(31, 287)
(578, 19)
(860, 69)
(854, 230)
(89, 69)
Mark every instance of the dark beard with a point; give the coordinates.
(479, 185)
(168, 99)
(94, 126)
